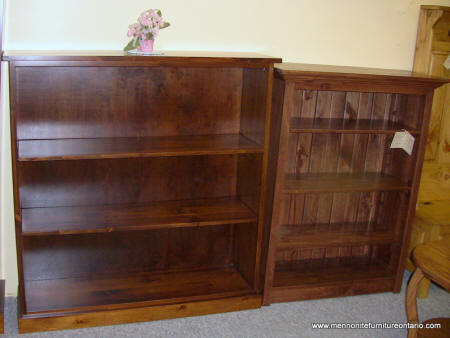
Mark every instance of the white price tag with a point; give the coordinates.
(403, 140)
(447, 62)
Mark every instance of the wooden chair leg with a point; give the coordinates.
(424, 286)
(411, 301)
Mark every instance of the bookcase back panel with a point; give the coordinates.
(342, 153)
(401, 108)
(245, 248)
(375, 209)
(123, 181)
(348, 153)
(254, 103)
(305, 258)
(54, 257)
(91, 102)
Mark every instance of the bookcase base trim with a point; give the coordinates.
(28, 324)
(2, 306)
(296, 293)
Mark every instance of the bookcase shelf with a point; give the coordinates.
(130, 147)
(346, 126)
(329, 277)
(333, 235)
(342, 200)
(329, 182)
(138, 184)
(316, 272)
(157, 215)
(145, 288)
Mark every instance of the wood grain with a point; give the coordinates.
(346, 126)
(94, 102)
(345, 200)
(157, 215)
(433, 259)
(435, 182)
(126, 180)
(325, 182)
(170, 58)
(274, 150)
(278, 150)
(411, 301)
(172, 249)
(118, 291)
(443, 153)
(328, 271)
(438, 110)
(342, 289)
(432, 49)
(324, 77)
(329, 235)
(424, 41)
(433, 331)
(130, 147)
(415, 168)
(28, 324)
(106, 146)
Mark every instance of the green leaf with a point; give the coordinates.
(159, 12)
(150, 36)
(131, 45)
(166, 24)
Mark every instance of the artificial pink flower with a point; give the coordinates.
(146, 28)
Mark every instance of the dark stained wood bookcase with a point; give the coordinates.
(139, 185)
(340, 201)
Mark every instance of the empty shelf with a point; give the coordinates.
(132, 290)
(129, 147)
(332, 235)
(332, 125)
(316, 272)
(156, 215)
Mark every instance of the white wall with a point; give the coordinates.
(372, 33)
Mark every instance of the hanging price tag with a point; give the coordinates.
(403, 140)
(447, 63)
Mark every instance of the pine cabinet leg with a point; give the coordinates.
(424, 286)
(411, 301)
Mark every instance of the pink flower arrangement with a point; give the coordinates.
(145, 31)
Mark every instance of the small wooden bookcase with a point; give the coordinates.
(340, 201)
(138, 185)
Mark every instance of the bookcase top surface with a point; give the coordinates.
(298, 71)
(435, 7)
(119, 55)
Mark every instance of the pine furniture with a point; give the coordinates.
(433, 261)
(432, 219)
(340, 202)
(431, 223)
(139, 185)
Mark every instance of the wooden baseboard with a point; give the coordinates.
(29, 323)
(286, 294)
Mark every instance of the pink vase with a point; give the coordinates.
(146, 46)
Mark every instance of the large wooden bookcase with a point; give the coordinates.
(340, 201)
(138, 185)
